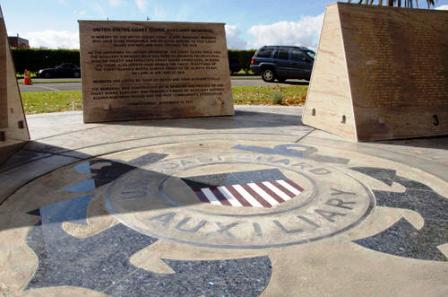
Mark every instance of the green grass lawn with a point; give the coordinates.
(270, 95)
(43, 102)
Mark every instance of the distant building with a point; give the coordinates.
(18, 42)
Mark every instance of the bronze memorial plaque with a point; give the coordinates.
(13, 128)
(154, 70)
(380, 73)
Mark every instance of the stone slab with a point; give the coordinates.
(13, 126)
(154, 70)
(372, 80)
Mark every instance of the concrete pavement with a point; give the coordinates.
(251, 205)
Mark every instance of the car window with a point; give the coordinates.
(298, 55)
(68, 66)
(311, 54)
(265, 52)
(282, 54)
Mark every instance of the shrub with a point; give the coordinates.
(244, 57)
(35, 59)
(277, 97)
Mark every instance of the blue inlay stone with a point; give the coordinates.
(101, 263)
(73, 210)
(84, 186)
(83, 168)
(402, 239)
(95, 263)
(243, 277)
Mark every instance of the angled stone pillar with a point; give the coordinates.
(380, 73)
(13, 127)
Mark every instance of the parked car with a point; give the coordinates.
(283, 62)
(235, 65)
(61, 71)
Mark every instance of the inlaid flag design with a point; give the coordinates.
(261, 188)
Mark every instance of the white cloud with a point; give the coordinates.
(53, 39)
(234, 40)
(442, 7)
(141, 5)
(304, 32)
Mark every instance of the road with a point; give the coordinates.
(45, 87)
(73, 85)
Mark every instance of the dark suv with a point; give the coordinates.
(283, 62)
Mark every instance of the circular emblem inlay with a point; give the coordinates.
(234, 198)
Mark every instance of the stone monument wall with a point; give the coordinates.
(153, 70)
(13, 127)
(395, 77)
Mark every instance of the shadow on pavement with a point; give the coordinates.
(242, 119)
(435, 142)
(84, 178)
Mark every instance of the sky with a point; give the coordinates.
(249, 23)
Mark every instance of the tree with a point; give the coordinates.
(398, 3)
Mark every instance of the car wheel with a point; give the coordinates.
(76, 75)
(47, 75)
(268, 75)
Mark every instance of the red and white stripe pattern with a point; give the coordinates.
(262, 194)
